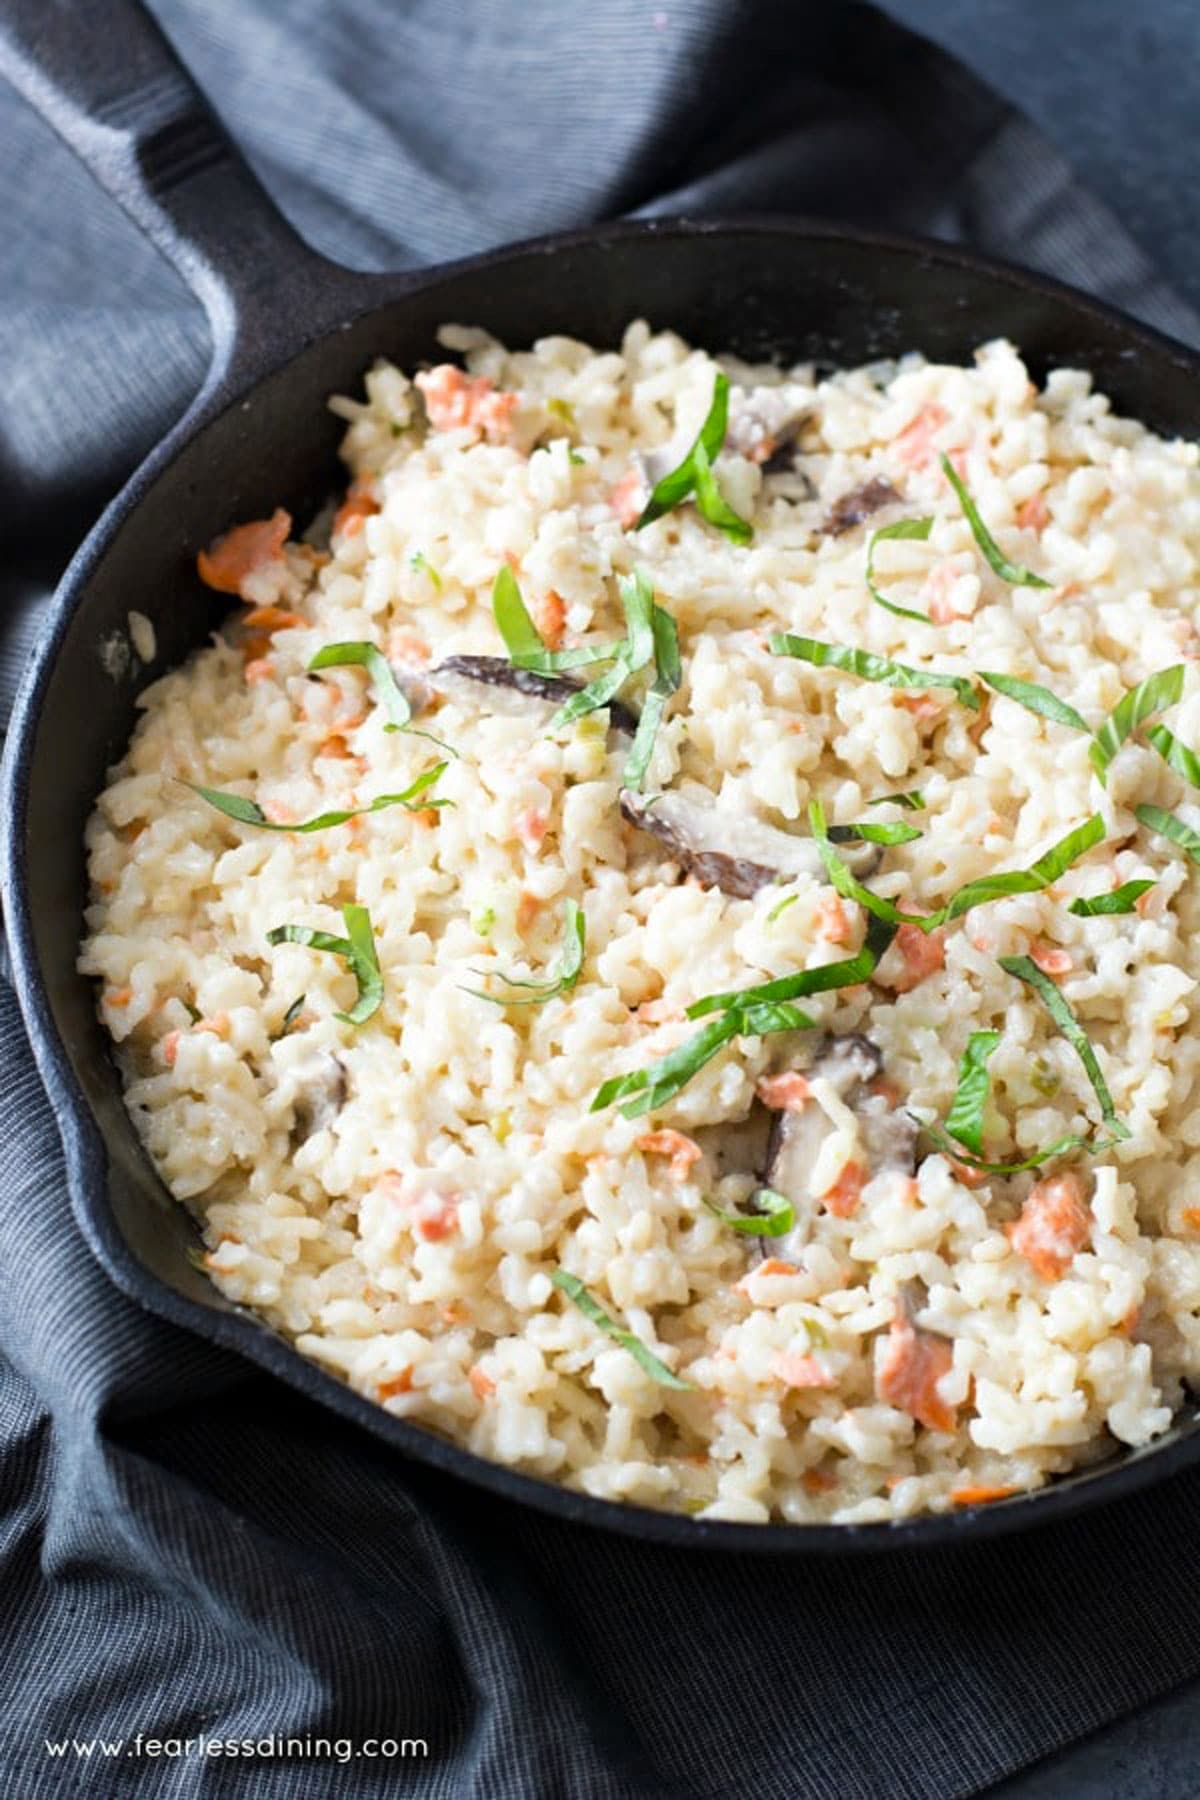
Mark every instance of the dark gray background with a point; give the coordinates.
(1116, 85)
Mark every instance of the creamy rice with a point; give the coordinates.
(396, 1196)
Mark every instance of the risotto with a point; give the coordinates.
(654, 940)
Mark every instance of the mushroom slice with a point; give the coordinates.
(848, 1064)
(511, 689)
(321, 1094)
(851, 509)
(694, 830)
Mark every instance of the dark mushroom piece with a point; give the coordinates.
(850, 1064)
(323, 1088)
(851, 509)
(509, 688)
(695, 832)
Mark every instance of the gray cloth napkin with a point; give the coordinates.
(185, 1546)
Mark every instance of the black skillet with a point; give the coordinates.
(288, 329)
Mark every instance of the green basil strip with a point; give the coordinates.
(1059, 1147)
(289, 1018)
(248, 812)
(357, 947)
(419, 561)
(678, 484)
(964, 1121)
(1169, 825)
(903, 528)
(775, 1216)
(1026, 970)
(590, 1307)
(847, 885)
(366, 656)
(712, 504)
(781, 906)
(1121, 900)
(566, 972)
(1043, 873)
(1013, 573)
(913, 801)
(820, 980)
(1177, 756)
(862, 831)
(1035, 699)
(637, 601)
(521, 636)
(1149, 696)
(870, 667)
(669, 674)
(653, 1087)
(524, 642)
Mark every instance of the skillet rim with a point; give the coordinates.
(243, 1332)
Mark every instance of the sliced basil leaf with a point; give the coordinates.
(1185, 762)
(249, 812)
(590, 1307)
(662, 1080)
(668, 675)
(293, 1012)
(651, 1088)
(863, 831)
(869, 667)
(521, 636)
(678, 484)
(712, 504)
(913, 801)
(1121, 900)
(637, 601)
(1035, 699)
(1013, 573)
(357, 947)
(1026, 970)
(566, 972)
(1149, 696)
(1169, 825)
(820, 980)
(289, 1018)
(781, 906)
(1059, 1147)
(964, 1121)
(775, 1215)
(366, 656)
(1043, 873)
(903, 528)
(848, 885)
(419, 561)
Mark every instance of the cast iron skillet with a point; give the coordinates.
(289, 328)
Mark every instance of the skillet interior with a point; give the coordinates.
(784, 291)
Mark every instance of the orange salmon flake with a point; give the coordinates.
(843, 1198)
(396, 1384)
(914, 445)
(1054, 1224)
(980, 1494)
(797, 1370)
(789, 1092)
(230, 560)
(914, 1363)
(454, 399)
(683, 1151)
(482, 1385)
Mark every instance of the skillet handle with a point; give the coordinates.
(105, 78)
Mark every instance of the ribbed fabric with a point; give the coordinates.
(186, 1547)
